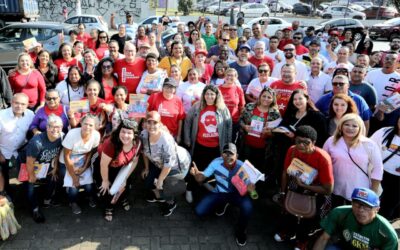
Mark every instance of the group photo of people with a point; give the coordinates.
(218, 116)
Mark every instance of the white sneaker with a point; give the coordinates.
(189, 196)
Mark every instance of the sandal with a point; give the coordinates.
(108, 214)
(126, 205)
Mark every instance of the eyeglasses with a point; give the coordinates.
(342, 71)
(358, 205)
(340, 84)
(106, 67)
(225, 40)
(54, 127)
(305, 142)
(288, 49)
(102, 37)
(51, 98)
(263, 71)
(297, 38)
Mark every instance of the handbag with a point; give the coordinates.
(300, 205)
(23, 173)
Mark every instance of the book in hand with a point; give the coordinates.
(247, 174)
(81, 106)
(305, 172)
(281, 129)
(391, 103)
(137, 105)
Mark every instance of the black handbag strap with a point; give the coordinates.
(391, 155)
(355, 163)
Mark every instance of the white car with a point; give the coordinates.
(280, 7)
(149, 20)
(215, 7)
(90, 21)
(342, 11)
(356, 7)
(364, 4)
(274, 24)
(252, 10)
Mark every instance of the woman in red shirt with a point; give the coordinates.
(65, 59)
(119, 157)
(26, 79)
(104, 74)
(233, 98)
(102, 44)
(205, 70)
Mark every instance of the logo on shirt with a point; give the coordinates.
(209, 121)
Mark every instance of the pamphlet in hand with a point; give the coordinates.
(41, 169)
(247, 174)
(391, 103)
(274, 124)
(305, 172)
(30, 43)
(137, 105)
(281, 129)
(81, 106)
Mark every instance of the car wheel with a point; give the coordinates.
(392, 36)
(326, 16)
(265, 14)
(357, 36)
(240, 14)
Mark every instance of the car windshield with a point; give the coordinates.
(394, 21)
(11, 35)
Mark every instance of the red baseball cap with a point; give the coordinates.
(201, 51)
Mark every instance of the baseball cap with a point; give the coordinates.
(153, 116)
(144, 44)
(230, 147)
(200, 51)
(315, 42)
(366, 196)
(287, 28)
(334, 33)
(170, 81)
(245, 46)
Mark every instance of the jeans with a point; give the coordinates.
(32, 191)
(212, 200)
(73, 192)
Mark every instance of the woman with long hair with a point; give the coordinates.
(47, 68)
(356, 159)
(104, 74)
(78, 48)
(178, 58)
(72, 88)
(65, 60)
(257, 84)
(218, 76)
(117, 153)
(375, 59)
(190, 91)
(101, 44)
(89, 64)
(190, 43)
(340, 105)
(175, 74)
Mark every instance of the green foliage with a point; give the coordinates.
(185, 6)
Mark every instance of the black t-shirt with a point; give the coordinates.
(121, 41)
(42, 149)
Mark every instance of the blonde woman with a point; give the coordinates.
(356, 159)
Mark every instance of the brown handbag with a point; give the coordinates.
(301, 205)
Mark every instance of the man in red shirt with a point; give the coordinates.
(297, 39)
(285, 87)
(287, 38)
(130, 69)
(259, 56)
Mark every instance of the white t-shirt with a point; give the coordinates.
(190, 93)
(384, 84)
(74, 95)
(393, 163)
(301, 70)
(318, 86)
(273, 55)
(255, 86)
(73, 141)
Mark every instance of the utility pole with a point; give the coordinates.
(78, 8)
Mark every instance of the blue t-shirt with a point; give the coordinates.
(362, 106)
(222, 175)
(245, 73)
(42, 149)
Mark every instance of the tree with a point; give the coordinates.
(185, 6)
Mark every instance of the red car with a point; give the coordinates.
(384, 12)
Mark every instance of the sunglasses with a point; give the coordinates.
(51, 98)
(288, 49)
(102, 37)
(263, 71)
(297, 38)
(305, 142)
(106, 66)
(225, 40)
(340, 84)
(342, 71)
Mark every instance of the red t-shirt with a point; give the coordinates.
(254, 138)
(266, 59)
(123, 158)
(129, 74)
(108, 97)
(101, 50)
(283, 43)
(63, 67)
(234, 100)
(207, 135)
(319, 159)
(85, 37)
(32, 85)
(95, 109)
(171, 111)
(300, 50)
(206, 77)
(91, 44)
(283, 92)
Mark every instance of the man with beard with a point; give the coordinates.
(358, 226)
(314, 47)
(300, 49)
(394, 47)
(113, 51)
(385, 80)
(361, 87)
(287, 38)
(301, 68)
(245, 69)
(296, 27)
(258, 36)
(285, 87)
(215, 50)
(310, 36)
(342, 57)
(224, 194)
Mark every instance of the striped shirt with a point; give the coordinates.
(222, 175)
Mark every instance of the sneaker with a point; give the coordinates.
(152, 198)
(241, 239)
(301, 245)
(46, 203)
(169, 209)
(92, 202)
(50, 203)
(221, 210)
(280, 237)
(75, 208)
(189, 196)
(37, 216)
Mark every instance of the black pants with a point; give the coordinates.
(106, 198)
(5, 172)
(390, 204)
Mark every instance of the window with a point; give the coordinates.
(149, 20)
(11, 35)
(73, 20)
(275, 21)
(87, 19)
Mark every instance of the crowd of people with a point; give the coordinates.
(217, 95)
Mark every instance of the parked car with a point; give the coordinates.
(388, 29)
(302, 9)
(383, 12)
(149, 20)
(364, 4)
(90, 21)
(202, 6)
(227, 10)
(274, 24)
(214, 9)
(342, 24)
(280, 7)
(252, 10)
(342, 11)
(356, 7)
(12, 36)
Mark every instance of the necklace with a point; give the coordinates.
(74, 89)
